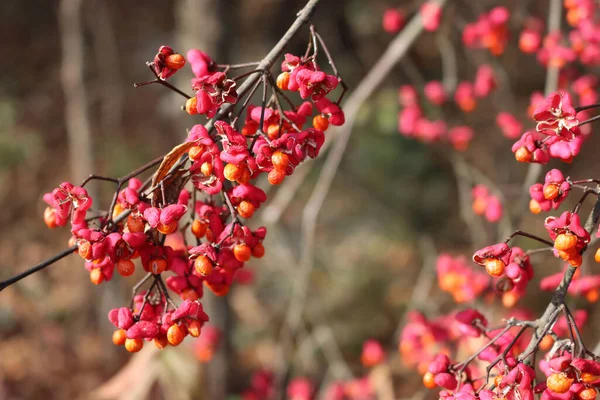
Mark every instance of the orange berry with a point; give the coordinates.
(125, 267)
(258, 251)
(546, 343)
(250, 128)
(244, 177)
(135, 224)
(191, 105)
(50, 217)
(232, 172)
(494, 266)
(175, 61)
(210, 236)
(575, 260)
(587, 394)
(559, 382)
(117, 210)
(565, 242)
(321, 123)
(242, 252)
(276, 176)
(84, 249)
(96, 276)
(199, 228)
(246, 209)
(194, 328)
(203, 265)
(283, 80)
(597, 256)
(161, 342)
(534, 207)
(587, 377)
(189, 294)
(133, 345)
(119, 336)
(479, 205)
(196, 152)
(273, 131)
(175, 335)
(509, 299)
(206, 169)
(429, 380)
(280, 160)
(467, 104)
(523, 155)
(551, 191)
(592, 296)
(565, 255)
(167, 229)
(219, 289)
(156, 265)
(498, 379)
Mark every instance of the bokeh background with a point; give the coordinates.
(68, 108)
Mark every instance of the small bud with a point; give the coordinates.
(203, 266)
(523, 155)
(133, 345)
(246, 209)
(125, 267)
(175, 335)
(242, 252)
(175, 61)
(597, 256)
(283, 80)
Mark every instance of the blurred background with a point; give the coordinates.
(68, 108)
